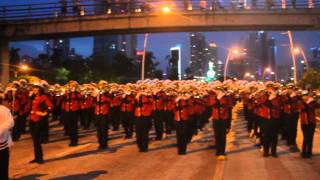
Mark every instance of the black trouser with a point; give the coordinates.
(158, 117)
(182, 136)
(250, 121)
(115, 115)
(15, 130)
(143, 125)
(192, 127)
(258, 125)
(220, 132)
(308, 133)
(21, 120)
(270, 135)
(56, 113)
(86, 117)
(4, 164)
(35, 129)
(64, 120)
(168, 120)
(45, 129)
(72, 126)
(128, 122)
(291, 126)
(102, 124)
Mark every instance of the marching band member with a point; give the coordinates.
(307, 106)
(181, 116)
(102, 113)
(40, 107)
(143, 113)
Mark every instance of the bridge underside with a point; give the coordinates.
(153, 23)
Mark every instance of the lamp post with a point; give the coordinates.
(293, 57)
(146, 35)
(230, 52)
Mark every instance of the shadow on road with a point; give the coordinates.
(250, 148)
(32, 177)
(83, 176)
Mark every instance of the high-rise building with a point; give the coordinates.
(313, 57)
(108, 45)
(175, 62)
(199, 54)
(61, 44)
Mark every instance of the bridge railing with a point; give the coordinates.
(72, 8)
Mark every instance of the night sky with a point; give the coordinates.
(160, 43)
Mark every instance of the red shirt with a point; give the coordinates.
(41, 103)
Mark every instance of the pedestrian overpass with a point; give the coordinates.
(56, 20)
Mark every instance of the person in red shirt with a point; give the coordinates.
(221, 122)
(127, 116)
(158, 113)
(181, 117)
(40, 107)
(72, 99)
(143, 113)
(87, 106)
(103, 101)
(271, 123)
(115, 108)
(307, 107)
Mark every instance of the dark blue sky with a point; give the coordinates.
(161, 43)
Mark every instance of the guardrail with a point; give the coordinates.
(72, 8)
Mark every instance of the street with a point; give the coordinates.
(123, 161)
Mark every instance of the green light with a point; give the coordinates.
(211, 74)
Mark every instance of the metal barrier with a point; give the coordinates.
(72, 8)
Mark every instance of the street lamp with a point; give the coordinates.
(300, 51)
(230, 53)
(24, 67)
(166, 9)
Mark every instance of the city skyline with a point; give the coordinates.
(160, 43)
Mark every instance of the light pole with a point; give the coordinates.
(146, 35)
(165, 10)
(230, 52)
(293, 57)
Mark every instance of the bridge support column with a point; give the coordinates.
(4, 60)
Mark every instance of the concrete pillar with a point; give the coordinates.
(4, 60)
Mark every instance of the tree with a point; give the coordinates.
(62, 75)
(311, 79)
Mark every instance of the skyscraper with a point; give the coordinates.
(108, 45)
(61, 44)
(199, 54)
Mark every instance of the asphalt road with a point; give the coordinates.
(123, 161)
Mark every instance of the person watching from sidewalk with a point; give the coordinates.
(6, 123)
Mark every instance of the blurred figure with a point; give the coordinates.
(63, 7)
(203, 5)
(75, 7)
(187, 5)
(293, 3)
(6, 123)
(254, 4)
